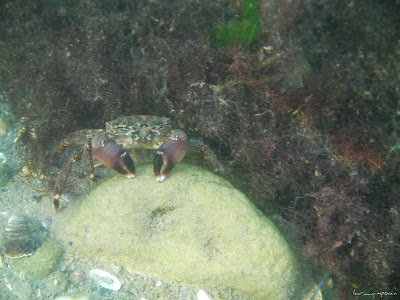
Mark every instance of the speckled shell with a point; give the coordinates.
(22, 237)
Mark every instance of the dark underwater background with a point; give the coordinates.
(299, 99)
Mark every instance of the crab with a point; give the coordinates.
(111, 146)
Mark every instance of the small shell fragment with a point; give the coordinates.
(3, 158)
(46, 223)
(202, 295)
(105, 279)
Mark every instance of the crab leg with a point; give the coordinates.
(170, 154)
(106, 152)
(76, 138)
(78, 154)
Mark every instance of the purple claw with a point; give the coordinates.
(113, 156)
(170, 154)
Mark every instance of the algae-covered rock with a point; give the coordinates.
(194, 228)
(43, 262)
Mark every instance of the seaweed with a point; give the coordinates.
(240, 32)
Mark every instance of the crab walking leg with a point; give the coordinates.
(170, 154)
(76, 138)
(64, 174)
(113, 156)
(88, 162)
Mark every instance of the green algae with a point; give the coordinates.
(243, 32)
(43, 262)
(194, 228)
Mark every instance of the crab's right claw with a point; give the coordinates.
(112, 155)
(170, 154)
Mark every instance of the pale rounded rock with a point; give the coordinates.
(194, 229)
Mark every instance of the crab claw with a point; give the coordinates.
(113, 156)
(170, 154)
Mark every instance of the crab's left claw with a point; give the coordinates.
(170, 154)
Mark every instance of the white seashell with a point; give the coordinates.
(201, 295)
(105, 279)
